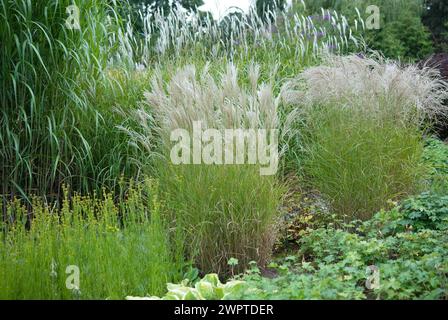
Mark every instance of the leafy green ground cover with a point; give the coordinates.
(407, 244)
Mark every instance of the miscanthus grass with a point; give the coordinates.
(180, 31)
(362, 130)
(60, 87)
(56, 100)
(222, 211)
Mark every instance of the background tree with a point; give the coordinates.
(265, 6)
(402, 34)
(134, 7)
(436, 18)
(166, 5)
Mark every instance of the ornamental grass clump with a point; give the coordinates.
(221, 210)
(372, 85)
(361, 138)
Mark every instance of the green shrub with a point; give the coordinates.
(410, 254)
(391, 9)
(405, 38)
(119, 249)
(436, 157)
(402, 34)
(426, 211)
(436, 18)
(411, 265)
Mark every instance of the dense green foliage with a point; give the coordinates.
(405, 38)
(265, 7)
(401, 32)
(222, 209)
(56, 121)
(436, 156)
(233, 216)
(333, 261)
(411, 264)
(436, 18)
(118, 249)
(407, 245)
(358, 162)
(94, 109)
(61, 88)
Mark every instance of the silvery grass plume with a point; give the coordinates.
(371, 83)
(218, 102)
(191, 96)
(180, 29)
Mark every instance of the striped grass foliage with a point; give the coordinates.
(117, 248)
(54, 128)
